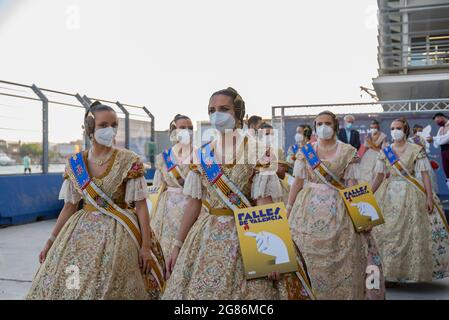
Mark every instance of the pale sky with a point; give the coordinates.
(171, 55)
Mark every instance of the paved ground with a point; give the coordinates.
(20, 246)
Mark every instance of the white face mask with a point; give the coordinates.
(324, 132)
(184, 137)
(222, 121)
(105, 136)
(373, 131)
(299, 137)
(397, 135)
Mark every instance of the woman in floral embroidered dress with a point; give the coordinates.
(89, 254)
(337, 257)
(206, 262)
(170, 208)
(413, 242)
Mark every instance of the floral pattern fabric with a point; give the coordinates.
(94, 257)
(336, 255)
(414, 245)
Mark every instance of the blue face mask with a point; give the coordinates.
(348, 126)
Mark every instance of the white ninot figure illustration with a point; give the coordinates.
(270, 244)
(367, 210)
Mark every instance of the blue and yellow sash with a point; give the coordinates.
(295, 148)
(172, 167)
(98, 199)
(324, 174)
(235, 200)
(224, 187)
(403, 172)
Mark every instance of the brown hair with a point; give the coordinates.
(172, 126)
(89, 117)
(307, 130)
(334, 119)
(406, 125)
(375, 122)
(237, 100)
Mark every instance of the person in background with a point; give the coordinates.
(302, 137)
(374, 143)
(284, 177)
(348, 134)
(418, 139)
(413, 241)
(254, 123)
(27, 164)
(442, 140)
(335, 254)
(172, 168)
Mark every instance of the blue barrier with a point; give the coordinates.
(149, 175)
(28, 198)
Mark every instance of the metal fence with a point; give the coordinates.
(43, 118)
(287, 118)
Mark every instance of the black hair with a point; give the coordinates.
(438, 114)
(175, 119)
(266, 126)
(89, 117)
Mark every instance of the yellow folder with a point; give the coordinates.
(265, 240)
(153, 198)
(362, 207)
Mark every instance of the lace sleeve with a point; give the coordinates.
(266, 184)
(380, 166)
(352, 171)
(136, 190)
(193, 186)
(422, 162)
(68, 193)
(299, 170)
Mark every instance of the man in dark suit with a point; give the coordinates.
(348, 134)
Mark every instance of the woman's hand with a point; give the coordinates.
(144, 259)
(171, 262)
(43, 253)
(274, 275)
(429, 204)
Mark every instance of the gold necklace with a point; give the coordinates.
(102, 161)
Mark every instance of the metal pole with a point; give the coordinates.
(86, 106)
(126, 123)
(153, 130)
(283, 129)
(44, 100)
(87, 100)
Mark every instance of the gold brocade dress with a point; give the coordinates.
(93, 256)
(369, 159)
(209, 265)
(170, 208)
(335, 254)
(414, 245)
